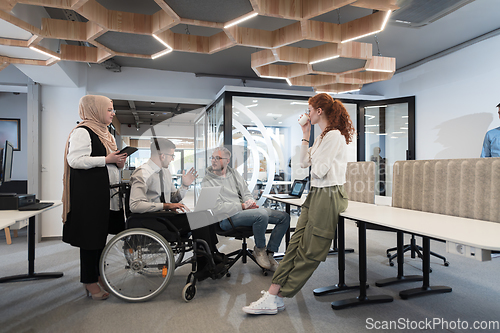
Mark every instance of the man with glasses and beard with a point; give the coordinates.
(236, 201)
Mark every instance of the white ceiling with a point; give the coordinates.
(8, 30)
(21, 52)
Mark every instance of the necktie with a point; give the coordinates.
(162, 195)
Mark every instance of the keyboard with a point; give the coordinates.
(36, 206)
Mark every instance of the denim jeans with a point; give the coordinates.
(258, 219)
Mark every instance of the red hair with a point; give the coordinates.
(336, 115)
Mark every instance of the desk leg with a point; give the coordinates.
(341, 286)
(287, 237)
(400, 278)
(426, 289)
(279, 256)
(31, 261)
(362, 298)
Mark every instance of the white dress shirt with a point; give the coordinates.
(146, 190)
(80, 147)
(327, 158)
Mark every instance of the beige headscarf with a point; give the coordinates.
(93, 110)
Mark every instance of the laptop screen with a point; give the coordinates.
(297, 188)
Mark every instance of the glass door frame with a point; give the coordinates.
(410, 100)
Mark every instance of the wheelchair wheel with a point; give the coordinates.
(178, 249)
(137, 264)
(188, 292)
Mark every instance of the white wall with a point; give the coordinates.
(12, 75)
(455, 102)
(59, 117)
(14, 106)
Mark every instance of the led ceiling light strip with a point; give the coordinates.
(374, 32)
(161, 41)
(161, 53)
(348, 91)
(277, 77)
(241, 20)
(386, 20)
(321, 60)
(378, 70)
(43, 52)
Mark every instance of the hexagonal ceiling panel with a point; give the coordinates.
(210, 10)
(338, 65)
(343, 15)
(146, 7)
(130, 43)
(266, 23)
(195, 30)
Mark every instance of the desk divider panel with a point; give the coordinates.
(467, 188)
(360, 181)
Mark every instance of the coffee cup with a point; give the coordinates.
(303, 119)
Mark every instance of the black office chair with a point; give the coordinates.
(414, 248)
(240, 233)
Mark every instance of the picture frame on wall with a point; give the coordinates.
(10, 129)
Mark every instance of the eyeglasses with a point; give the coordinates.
(218, 158)
(171, 155)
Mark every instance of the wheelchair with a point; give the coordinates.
(138, 263)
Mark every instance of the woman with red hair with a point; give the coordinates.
(327, 198)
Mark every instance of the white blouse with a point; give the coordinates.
(327, 158)
(79, 158)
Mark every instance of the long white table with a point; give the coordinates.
(288, 202)
(9, 217)
(475, 233)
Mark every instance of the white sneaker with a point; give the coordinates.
(273, 262)
(261, 257)
(265, 305)
(280, 304)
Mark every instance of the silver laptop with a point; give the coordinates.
(202, 214)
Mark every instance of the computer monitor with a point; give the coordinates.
(8, 152)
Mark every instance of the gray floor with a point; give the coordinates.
(59, 305)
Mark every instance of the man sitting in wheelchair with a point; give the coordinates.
(156, 204)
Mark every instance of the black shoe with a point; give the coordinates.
(219, 271)
(220, 258)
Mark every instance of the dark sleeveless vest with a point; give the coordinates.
(86, 226)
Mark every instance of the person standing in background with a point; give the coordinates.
(491, 143)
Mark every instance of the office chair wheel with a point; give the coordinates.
(228, 274)
(137, 265)
(188, 292)
(391, 264)
(446, 263)
(265, 272)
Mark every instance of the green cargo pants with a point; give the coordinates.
(312, 238)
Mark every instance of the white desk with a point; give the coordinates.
(476, 233)
(288, 203)
(9, 217)
(281, 182)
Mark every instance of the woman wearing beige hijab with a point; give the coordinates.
(91, 163)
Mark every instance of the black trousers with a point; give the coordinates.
(156, 222)
(89, 265)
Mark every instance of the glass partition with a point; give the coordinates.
(388, 137)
